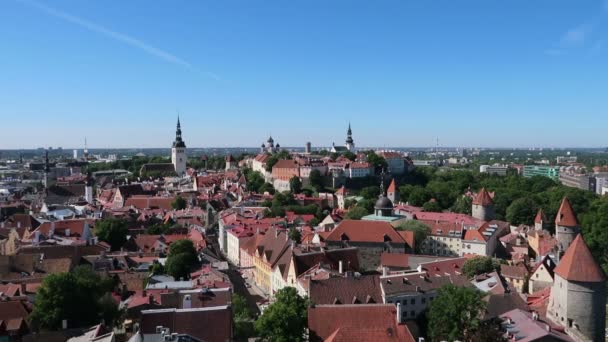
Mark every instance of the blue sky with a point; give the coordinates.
(473, 73)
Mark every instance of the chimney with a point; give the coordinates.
(399, 314)
(340, 267)
(23, 289)
(187, 303)
(151, 300)
(144, 293)
(384, 271)
(67, 232)
(19, 224)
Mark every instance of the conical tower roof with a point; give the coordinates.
(540, 217)
(565, 215)
(483, 198)
(578, 264)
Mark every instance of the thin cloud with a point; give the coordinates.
(577, 35)
(121, 37)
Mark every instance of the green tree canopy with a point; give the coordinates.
(480, 265)
(316, 180)
(463, 205)
(356, 213)
(432, 206)
(522, 211)
(182, 259)
(266, 187)
(370, 192)
(295, 235)
(77, 297)
(349, 155)
(595, 230)
(420, 230)
(378, 162)
(418, 196)
(114, 231)
(284, 320)
(179, 203)
(255, 180)
(455, 314)
(295, 185)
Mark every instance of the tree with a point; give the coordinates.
(455, 313)
(182, 259)
(356, 213)
(378, 162)
(284, 320)
(418, 196)
(295, 185)
(243, 323)
(179, 203)
(270, 162)
(255, 180)
(349, 155)
(522, 211)
(316, 180)
(480, 265)
(370, 192)
(420, 230)
(77, 297)
(463, 205)
(114, 231)
(266, 187)
(595, 230)
(432, 206)
(295, 235)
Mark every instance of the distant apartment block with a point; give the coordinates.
(566, 159)
(577, 180)
(541, 170)
(495, 169)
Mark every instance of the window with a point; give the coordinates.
(413, 301)
(536, 275)
(423, 300)
(413, 313)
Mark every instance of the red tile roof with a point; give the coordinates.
(540, 217)
(213, 324)
(565, 216)
(483, 198)
(578, 264)
(13, 313)
(514, 272)
(376, 322)
(365, 231)
(364, 289)
(452, 266)
(394, 260)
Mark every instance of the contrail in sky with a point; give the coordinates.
(151, 50)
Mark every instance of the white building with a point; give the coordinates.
(178, 152)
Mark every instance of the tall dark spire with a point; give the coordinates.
(349, 135)
(178, 135)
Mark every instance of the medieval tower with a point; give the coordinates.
(178, 152)
(483, 206)
(578, 295)
(540, 221)
(566, 225)
(350, 143)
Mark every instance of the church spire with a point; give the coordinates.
(349, 135)
(178, 135)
